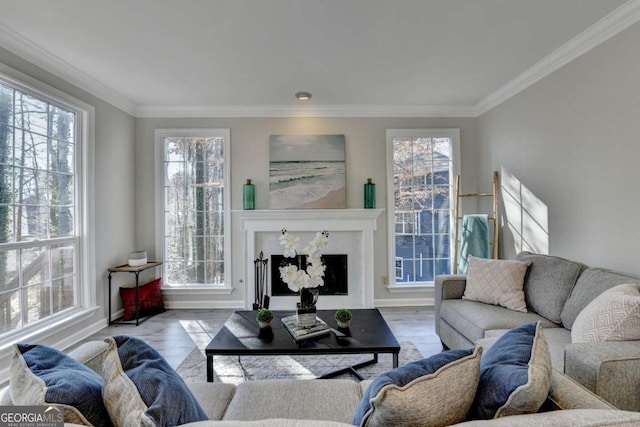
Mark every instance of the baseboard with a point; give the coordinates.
(404, 302)
(186, 305)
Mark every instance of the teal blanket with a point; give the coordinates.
(474, 240)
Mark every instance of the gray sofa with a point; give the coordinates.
(310, 403)
(556, 290)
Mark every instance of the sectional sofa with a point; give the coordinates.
(327, 403)
(556, 291)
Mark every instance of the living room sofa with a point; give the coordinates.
(556, 291)
(309, 403)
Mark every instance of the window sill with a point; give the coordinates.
(40, 333)
(407, 287)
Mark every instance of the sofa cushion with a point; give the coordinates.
(567, 418)
(472, 319)
(322, 399)
(604, 368)
(271, 422)
(591, 283)
(438, 390)
(496, 281)
(90, 354)
(614, 315)
(141, 389)
(557, 340)
(549, 282)
(515, 374)
(214, 398)
(42, 375)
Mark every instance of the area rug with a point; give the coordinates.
(234, 369)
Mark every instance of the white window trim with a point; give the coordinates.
(452, 133)
(159, 135)
(85, 194)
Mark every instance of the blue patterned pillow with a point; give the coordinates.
(42, 375)
(515, 374)
(141, 389)
(434, 391)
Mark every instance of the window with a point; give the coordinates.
(195, 207)
(420, 169)
(43, 136)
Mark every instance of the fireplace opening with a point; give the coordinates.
(335, 275)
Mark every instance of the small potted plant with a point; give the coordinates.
(343, 317)
(264, 317)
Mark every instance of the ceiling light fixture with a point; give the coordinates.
(303, 96)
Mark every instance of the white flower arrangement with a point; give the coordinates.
(293, 275)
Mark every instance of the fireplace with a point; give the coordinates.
(335, 275)
(351, 234)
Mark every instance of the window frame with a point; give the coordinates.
(391, 134)
(84, 166)
(159, 152)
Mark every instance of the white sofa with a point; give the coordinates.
(309, 403)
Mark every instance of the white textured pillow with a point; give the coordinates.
(497, 282)
(614, 315)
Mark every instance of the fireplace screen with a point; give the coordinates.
(335, 275)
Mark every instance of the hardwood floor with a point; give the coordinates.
(175, 333)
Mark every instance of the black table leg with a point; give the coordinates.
(109, 298)
(353, 370)
(209, 368)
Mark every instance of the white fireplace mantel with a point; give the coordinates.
(362, 222)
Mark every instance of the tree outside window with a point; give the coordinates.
(194, 211)
(421, 171)
(38, 236)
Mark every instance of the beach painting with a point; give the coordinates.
(306, 172)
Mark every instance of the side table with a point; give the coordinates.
(135, 270)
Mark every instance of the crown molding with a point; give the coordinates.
(42, 58)
(615, 22)
(147, 111)
(612, 24)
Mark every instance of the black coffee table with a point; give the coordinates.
(241, 336)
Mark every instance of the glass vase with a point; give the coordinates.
(306, 311)
(249, 196)
(369, 194)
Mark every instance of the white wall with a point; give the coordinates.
(365, 158)
(572, 142)
(113, 191)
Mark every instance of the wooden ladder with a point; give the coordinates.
(457, 217)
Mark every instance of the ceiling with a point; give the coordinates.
(357, 57)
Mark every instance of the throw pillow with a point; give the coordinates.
(515, 374)
(614, 315)
(42, 375)
(497, 282)
(141, 389)
(434, 391)
(149, 296)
